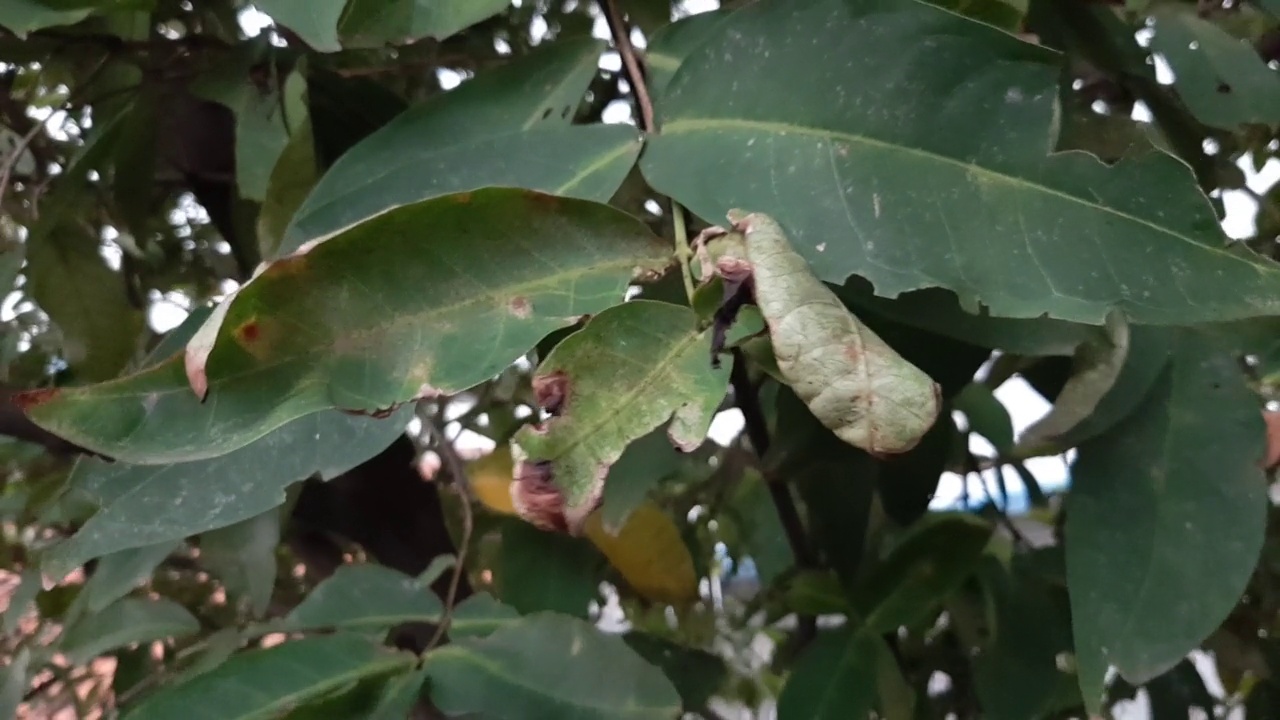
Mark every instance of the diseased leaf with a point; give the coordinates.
(145, 505)
(650, 554)
(466, 138)
(264, 683)
(858, 386)
(315, 21)
(123, 623)
(1171, 502)
(118, 573)
(549, 667)
(29, 585)
(366, 595)
(399, 696)
(632, 368)
(921, 159)
(243, 557)
(429, 298)
(643, 465)
(1221, 78)
(373, 23)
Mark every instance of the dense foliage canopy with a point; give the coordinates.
(639, 359)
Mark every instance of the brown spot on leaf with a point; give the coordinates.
(1273, 439)
(1223, 88)
(290, 264)
(462, 198)
(536, 498)
(520, 307)
(28, 399)
(551, 391)
(376, 413)
(249, 332)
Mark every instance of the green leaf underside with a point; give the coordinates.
(366, 596)
(466, 139)
(263, 683)
(929, 167)
(143, 505)
(629, 370)
(1171, 503)
(551, 667)
(431, 297)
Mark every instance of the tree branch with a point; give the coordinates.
(635, 74)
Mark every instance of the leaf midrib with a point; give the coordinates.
(694, 124)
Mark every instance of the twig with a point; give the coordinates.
(757, 429)
(684, 253)
(635, 74)
(459, 483)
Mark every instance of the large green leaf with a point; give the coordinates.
(479, 615)
(264, 683)
(671, 43)
(916, 154)
(25, 16)
(632, 368)
(509, 127)
(372, 23)
(123, 623)
(366, 595)
(144, 505)
(429, 298)
(1170, 503)
(538, 570)
(1221, 78)
(315, 21)
(835, 679)
(549, 667)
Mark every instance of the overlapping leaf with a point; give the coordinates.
(144, 505)
(507, 127)
(373, 23)
(631, 369)
(1171, 503)
(551, 667)
(123, 623)
(834, 679)
(315, 21)
(431, 297)
(366, 595)
(916, 155)
(264, 683)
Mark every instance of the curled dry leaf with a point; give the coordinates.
(851, 379)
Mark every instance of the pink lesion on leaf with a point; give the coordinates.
(536, 498)
(520, 307)
(29, 399)
(551, 391)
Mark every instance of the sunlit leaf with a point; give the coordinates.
(479, 615)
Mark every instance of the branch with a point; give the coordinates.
(635, 74)
(459, 484)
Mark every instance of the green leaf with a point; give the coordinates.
(372, 318)
(264, 123)
(987, 416)
(539, 570)
(29, 585)
(87, 300)
(366, 595)
(466, 138)
(1221, 78)
(399, 695)
(243, 557)
(696, 674)
(26, 16)
(294, 175)
(315, 21)
(144, 505)
(934, 556)
(642, 466)
(373, 23)
(479, 615)
(633, 367)
(835, 679)
(264, 683)
(754, 516)
(924, 162)
(13, 682)
(549, 667)
(1007, 16)
(125, 622)
(118, 573)
(1147, 497)
(672, 43)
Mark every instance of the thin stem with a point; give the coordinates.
(459, 484)
(684, 253)
(635, 74)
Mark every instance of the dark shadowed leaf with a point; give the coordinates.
(315, 21)
(118, 573)
(366, 595)
(264, 683)
(243, 557)
(539, 570)
(429, 298)
(479, 615)
(549, 667)
(1171, 503)
(696, 674)
(141, 505)
(643, 465)
(1221, 78)
(374, 23)
(466, 139)
(835, 679)
(632, 368)
(13, 682)
(123, 623)
(918, 157)
(1176, 692)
